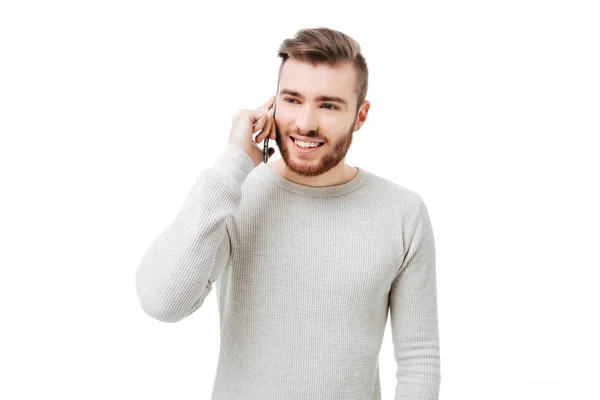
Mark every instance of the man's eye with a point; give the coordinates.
(332, 106)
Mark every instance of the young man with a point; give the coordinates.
(307, 253)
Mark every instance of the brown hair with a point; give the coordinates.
(327, 46)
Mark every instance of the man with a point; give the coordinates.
(307, 253)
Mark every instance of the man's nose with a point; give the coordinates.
(307, 120)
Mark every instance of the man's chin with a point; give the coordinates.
(307, 168)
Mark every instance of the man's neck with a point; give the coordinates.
(333, 177)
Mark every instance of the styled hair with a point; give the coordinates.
(327, 46)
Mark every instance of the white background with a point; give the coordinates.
(109, 110)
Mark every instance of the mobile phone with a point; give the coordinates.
(266, 141)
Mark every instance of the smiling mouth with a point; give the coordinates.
(319, 145)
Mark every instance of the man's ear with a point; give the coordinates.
(361, 116)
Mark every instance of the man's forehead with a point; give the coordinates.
(293, 68)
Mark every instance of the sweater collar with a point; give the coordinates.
(265, 171)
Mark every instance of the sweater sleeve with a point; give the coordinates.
(414, 319)
(177, 271)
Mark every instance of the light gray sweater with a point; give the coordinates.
(304, 280)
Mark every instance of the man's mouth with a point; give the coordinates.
(306, 145)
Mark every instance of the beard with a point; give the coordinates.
(324, 159)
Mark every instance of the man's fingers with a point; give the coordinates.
(260, 122)
(266, 129)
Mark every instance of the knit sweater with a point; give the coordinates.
(305, 277)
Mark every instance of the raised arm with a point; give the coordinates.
(177, 271)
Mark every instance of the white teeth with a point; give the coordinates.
(306, 144)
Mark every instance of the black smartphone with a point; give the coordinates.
(266, 141)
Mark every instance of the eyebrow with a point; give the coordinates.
(336, 99)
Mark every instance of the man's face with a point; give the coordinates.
(301, 113)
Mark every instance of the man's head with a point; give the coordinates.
(323, 81)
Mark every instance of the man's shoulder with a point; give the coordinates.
(393, 190)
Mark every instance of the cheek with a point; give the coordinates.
(282, 123)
